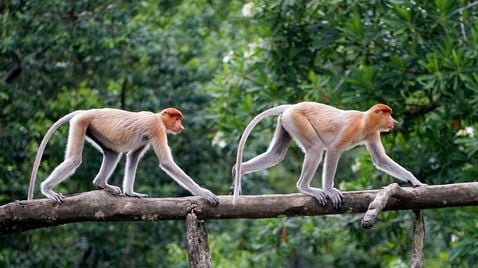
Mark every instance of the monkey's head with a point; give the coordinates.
(172, 120)
(381, 117)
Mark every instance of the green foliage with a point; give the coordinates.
(420, 58)
(222, 62)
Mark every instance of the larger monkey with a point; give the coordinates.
(317, 127)
(114, 132)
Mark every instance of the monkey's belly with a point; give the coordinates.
(119, 144)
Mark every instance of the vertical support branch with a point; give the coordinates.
(418, 239)
(197, 243)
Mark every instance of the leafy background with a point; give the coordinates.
(222, 62)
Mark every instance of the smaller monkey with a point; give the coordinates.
(114, 132)
(317, 128)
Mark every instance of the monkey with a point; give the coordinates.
(317, 128)
(115, 132)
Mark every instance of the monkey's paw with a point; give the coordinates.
(57, 197)
(319, 194)
(114, 190)
(134, 194)
(335, 196)
(418, 184)
(208, 195)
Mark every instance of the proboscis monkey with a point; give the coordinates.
(317, 128)
(114, 132)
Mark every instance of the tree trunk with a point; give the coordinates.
(197, 243)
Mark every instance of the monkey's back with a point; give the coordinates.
(120, 130)
(329, 123)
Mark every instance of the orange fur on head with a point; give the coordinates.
(381, 108)
(173, 112)
(380, 118)
(172, 119)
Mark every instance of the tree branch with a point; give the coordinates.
(99, 206)
(380, 201)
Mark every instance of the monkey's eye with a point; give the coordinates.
(377, 111)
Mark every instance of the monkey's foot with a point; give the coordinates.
(335, 196)
(319, 194)
(208, 195)
(114, 190)
(135, 194)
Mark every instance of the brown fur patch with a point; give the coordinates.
(351, 134)
(173, 112)
(381, 108)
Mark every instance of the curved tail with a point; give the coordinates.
(240, 148)
(42, 146)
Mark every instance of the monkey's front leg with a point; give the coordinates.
(330, 167)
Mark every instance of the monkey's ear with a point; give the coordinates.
(377, 111)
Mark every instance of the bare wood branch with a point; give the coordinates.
(381, 200)
(100, 206)
(418, 239)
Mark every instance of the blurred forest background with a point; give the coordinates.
(222, 62)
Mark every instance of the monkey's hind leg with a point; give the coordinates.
(132, 160)
(76, 140)
(275, 153)
(312, 159)
(299, 127)
(110, 160)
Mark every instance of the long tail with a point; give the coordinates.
(43, 143)
(240, 148)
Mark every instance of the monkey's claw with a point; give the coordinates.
(335, 196)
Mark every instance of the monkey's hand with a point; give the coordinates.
(208, 195)
(57, 197)
(135, 194)
(335, 196)
(418, 184)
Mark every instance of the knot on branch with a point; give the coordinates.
(192, 208)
